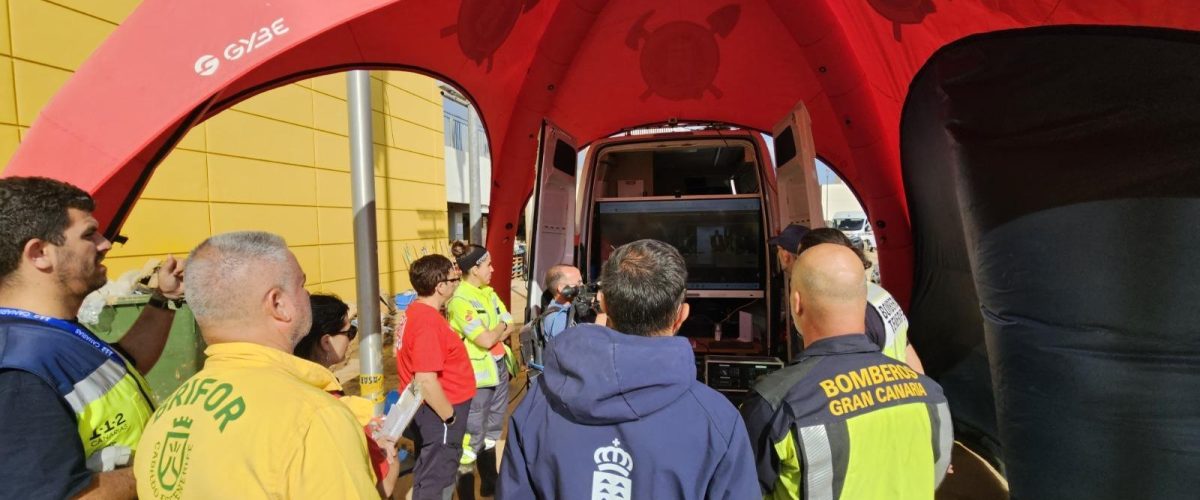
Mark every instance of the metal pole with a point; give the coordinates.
(366, 255)
(476, 214)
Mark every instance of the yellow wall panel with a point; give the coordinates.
(5, 37)
(113, 11)
(8, 95)
(333, 189)
(194, 139)
(333, 84)
(297, 225)
(54, 35)
(404, 104)
(242, 180)
(335, 225)
(239, 134)
(407, 135)
(342, 288)
(337, 262)
(35, 84)
(330, 114)
(289, 103)
(407, 224)
(157, 227)
(416, 83)
(183, 175)
(333, 151)
(410, 194)
(310, 261)
(404, 164)
(9, 139)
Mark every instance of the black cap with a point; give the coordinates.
(789, 239)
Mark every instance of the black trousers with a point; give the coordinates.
(438, 449)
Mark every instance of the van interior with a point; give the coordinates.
(704, 197)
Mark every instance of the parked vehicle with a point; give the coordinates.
(713, 193)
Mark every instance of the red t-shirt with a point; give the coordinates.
(429, 345)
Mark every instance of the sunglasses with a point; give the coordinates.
(452, 280)
(350, 333)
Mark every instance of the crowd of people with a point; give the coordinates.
(616, 412)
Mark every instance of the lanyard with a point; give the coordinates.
(65, 326)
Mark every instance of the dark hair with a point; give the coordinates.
(643, 284)
(830, 235)
(34, 207)
(461, 251)
(328, 316)
(426, 272)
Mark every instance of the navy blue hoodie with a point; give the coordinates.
(619, 416)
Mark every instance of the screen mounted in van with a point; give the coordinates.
(721, 240)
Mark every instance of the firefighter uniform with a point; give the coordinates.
(847, 422)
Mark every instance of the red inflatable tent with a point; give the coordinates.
(592, 67)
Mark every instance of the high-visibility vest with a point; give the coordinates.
(846, 422)
(472, 311)
(895, 323)
(110, 399)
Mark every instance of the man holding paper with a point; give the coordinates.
(433, 357)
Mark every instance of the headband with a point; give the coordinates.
(472, 257)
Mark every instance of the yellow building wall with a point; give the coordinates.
(278, 162)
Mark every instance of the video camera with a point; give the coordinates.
(583, 300)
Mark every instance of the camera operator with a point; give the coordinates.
(561, 280)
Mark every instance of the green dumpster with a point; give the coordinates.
(183, 355)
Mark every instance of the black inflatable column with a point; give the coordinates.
(1072, 158)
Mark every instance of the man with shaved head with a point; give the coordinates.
(844, 421)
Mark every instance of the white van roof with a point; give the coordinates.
(849, 215)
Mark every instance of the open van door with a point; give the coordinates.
(552, 240)
(799, 193)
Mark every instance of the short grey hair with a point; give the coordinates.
(220, 269)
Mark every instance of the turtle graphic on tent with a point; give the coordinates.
(680, 59)
(484, 25)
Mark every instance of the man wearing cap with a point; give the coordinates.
(787, 243)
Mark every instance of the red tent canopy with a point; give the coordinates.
(593, 67)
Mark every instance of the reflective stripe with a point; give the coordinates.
(95, 385)
(818, 463)
(471, 326)
(943, 440)
(895, 324)
(476, 304)
(506, 318)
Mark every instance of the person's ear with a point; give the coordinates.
(797, 305)
(40, 253)
(681, 315)
(279, 305)
(600, 300)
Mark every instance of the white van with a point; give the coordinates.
(712, 193)
(856, 227)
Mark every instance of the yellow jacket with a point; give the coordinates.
(471, 311)
(256, 422)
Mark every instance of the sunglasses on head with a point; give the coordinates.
(350, 333)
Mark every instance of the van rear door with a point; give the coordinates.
(553, 237)
(796, 170)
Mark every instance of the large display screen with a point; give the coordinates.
(720, 239)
